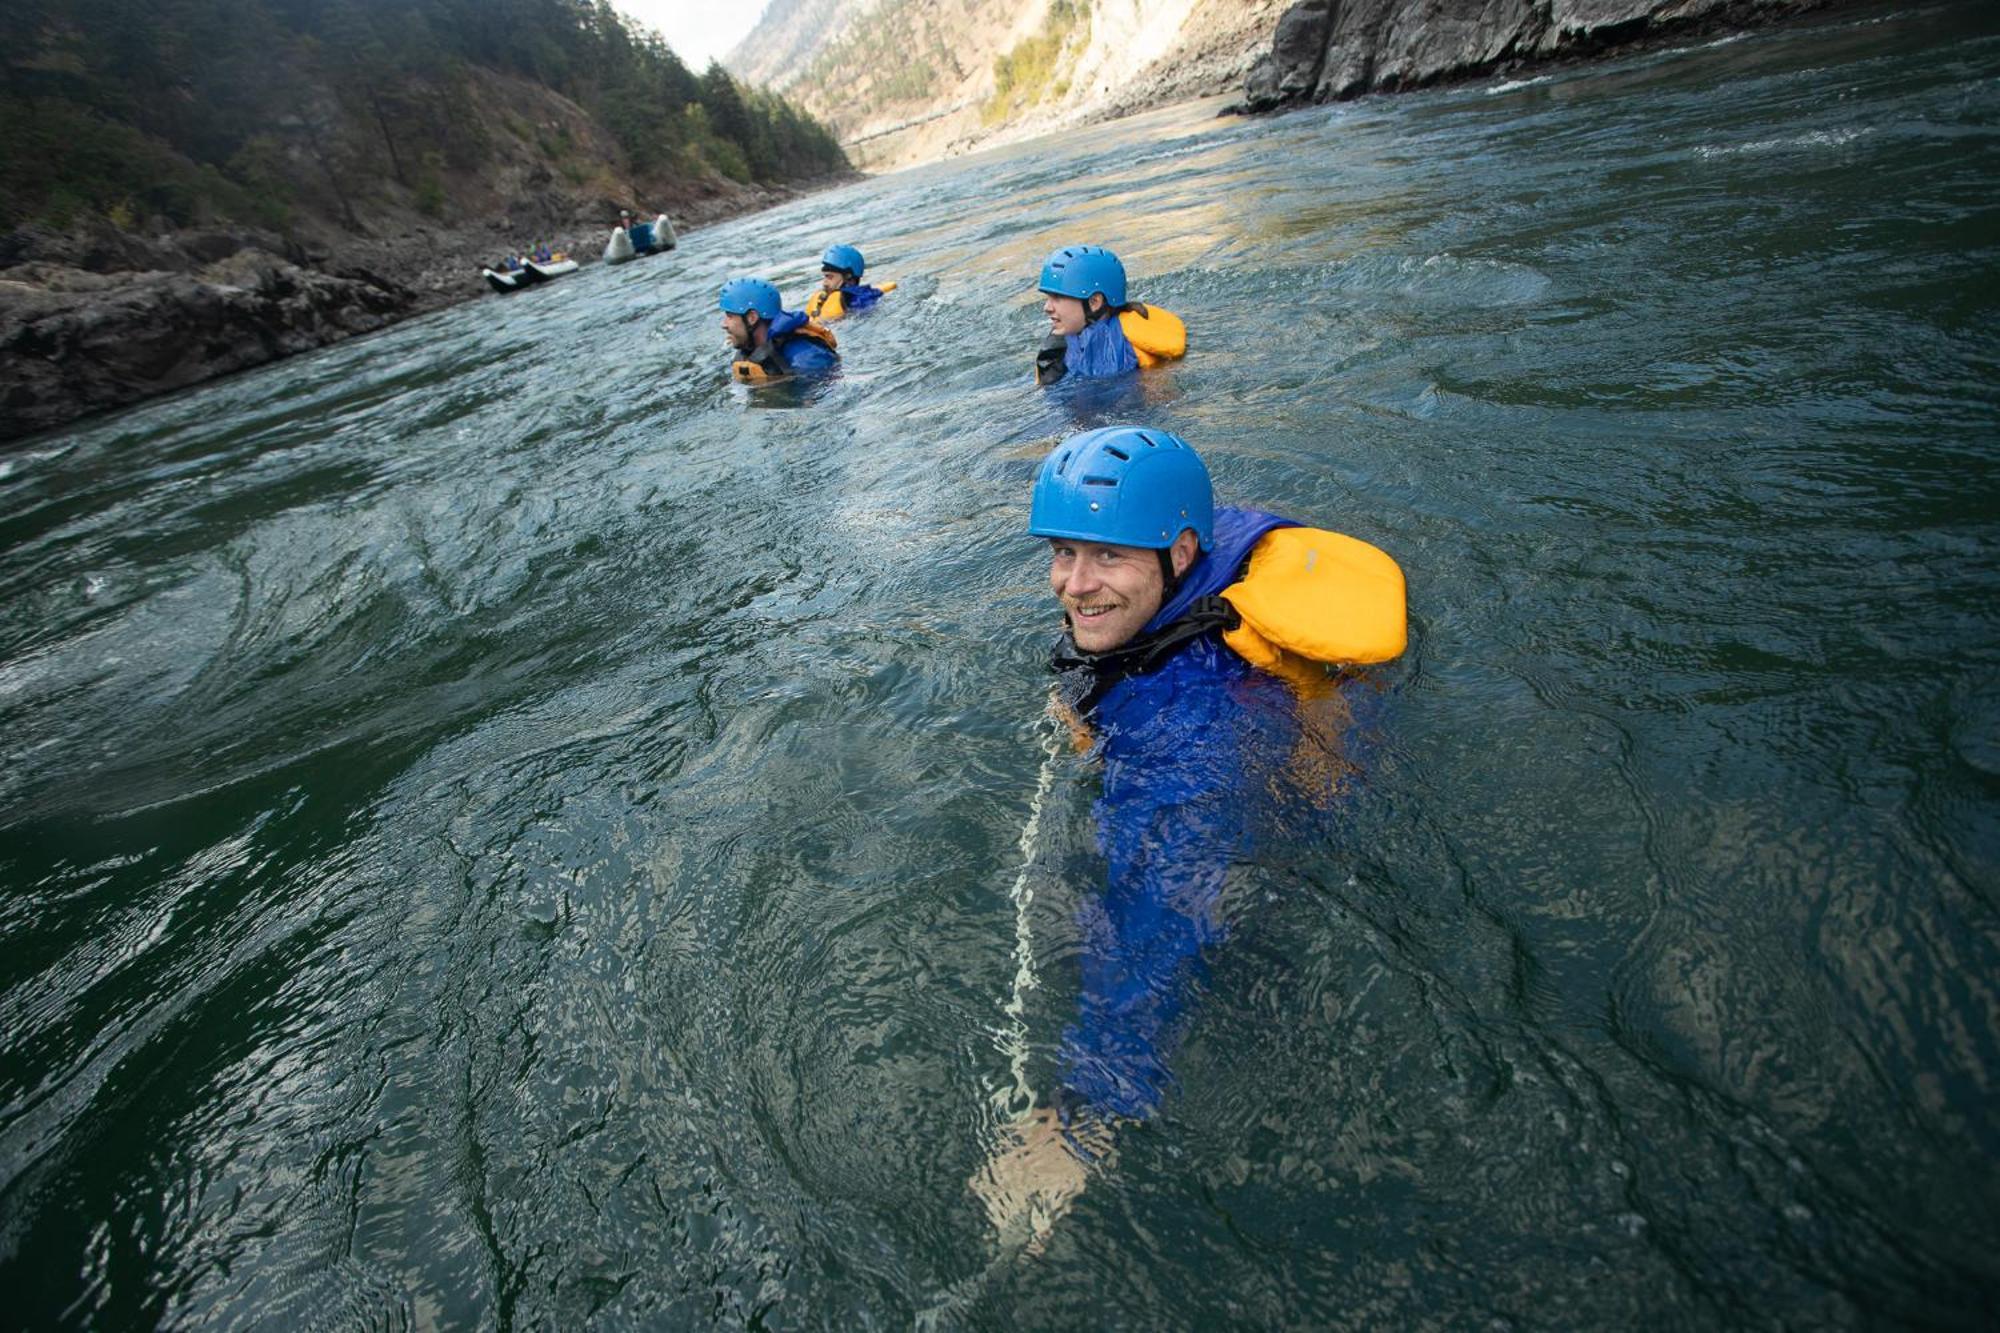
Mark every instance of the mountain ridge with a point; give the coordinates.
(904, 81)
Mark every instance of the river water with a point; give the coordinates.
(503, 828)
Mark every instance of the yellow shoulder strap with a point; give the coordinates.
(1156, 335)
(824, 304)
(885, 286)
(749, 372)
(1317, 595)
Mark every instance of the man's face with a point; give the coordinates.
(832, 279)
(1066, 315)
(1110, 592)
(742, 330)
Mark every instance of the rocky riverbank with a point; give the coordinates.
(96, 317)
(1328, 50)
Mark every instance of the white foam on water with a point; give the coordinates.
(1817, 139)
(1018, 1098)
(1512, 85)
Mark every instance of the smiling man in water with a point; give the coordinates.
(1109, 592)
(1194, 661)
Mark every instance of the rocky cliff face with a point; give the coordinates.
(1325, 50)
(907, 81)
(72, 339)
(790, 35)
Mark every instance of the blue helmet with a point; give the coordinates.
(743, 295)
(1083, 271)
(1124, 486)
(845, 258)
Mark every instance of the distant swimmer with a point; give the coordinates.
(772, 342)
(1198, 663)
(1093, 330)
(840, 289)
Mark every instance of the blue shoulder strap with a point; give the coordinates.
(1237, 532)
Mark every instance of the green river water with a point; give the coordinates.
(501, 827)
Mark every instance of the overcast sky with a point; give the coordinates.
(698, 30)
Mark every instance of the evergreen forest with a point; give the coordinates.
(189, 112)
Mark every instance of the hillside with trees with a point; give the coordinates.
(259, 111)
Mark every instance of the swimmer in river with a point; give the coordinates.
(771, 342)
(1199, 662)
(841, 291)
(1094, 331)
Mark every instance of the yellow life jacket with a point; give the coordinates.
(1156, 335)
(1308, 596)
(828, 306)
(767, 362)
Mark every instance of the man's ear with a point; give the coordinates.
(1095, 303)
(1186, 547)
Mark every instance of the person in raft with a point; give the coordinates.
(770, 341)
(1093, 330)
(840, 290)
(1198, 660)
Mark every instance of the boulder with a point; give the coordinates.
(1290, 73)
(1327, 50)
(74, 342)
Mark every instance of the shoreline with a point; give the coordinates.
(95, 319)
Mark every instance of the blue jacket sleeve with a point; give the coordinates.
(1178, 808)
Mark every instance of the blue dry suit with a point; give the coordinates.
(803, 355)
(797, 346)
(1182, 726)
(855, 296)
(1099, 350)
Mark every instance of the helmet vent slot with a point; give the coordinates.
(1118, 454)
(1100, 481)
